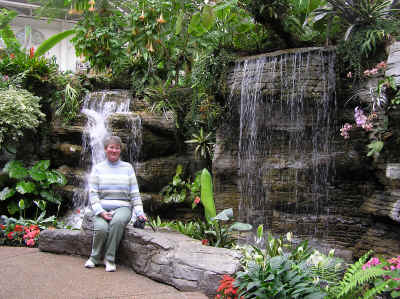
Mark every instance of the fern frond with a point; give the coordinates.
(377, 289)
(359, 278)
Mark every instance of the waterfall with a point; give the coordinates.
(101, 110)
(286, 103)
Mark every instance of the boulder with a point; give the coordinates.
(164, 255)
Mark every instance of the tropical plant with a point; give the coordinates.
(52, 41)
(277, 277)
(177, 190)
(157, 223)
(7, 35)
(16, 101)
(359, 13)
(32, 187)
(360, 280)
(207, 198)
(99, 37)
(70, 103)
(204, 144)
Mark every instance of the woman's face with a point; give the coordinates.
(113, 151)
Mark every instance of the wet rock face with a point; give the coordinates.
(338, 199)
(149, 143)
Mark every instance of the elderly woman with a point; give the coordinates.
(113, 194)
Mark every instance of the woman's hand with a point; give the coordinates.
(106, 215)
(143, 217)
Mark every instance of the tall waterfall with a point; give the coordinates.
(285, 139)
(101, 109)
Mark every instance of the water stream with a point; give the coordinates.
(285, 142)
(99, 108)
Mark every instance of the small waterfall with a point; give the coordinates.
(105, 110)
(286, 103)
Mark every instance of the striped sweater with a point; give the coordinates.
(113, 185)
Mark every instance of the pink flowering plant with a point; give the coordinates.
(391, 279)
(374, 122)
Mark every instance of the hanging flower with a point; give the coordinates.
(141, 17)
(92, 2)
(161, 20)
(150, 46)
(91, 8)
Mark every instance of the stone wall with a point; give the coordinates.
(359, 203)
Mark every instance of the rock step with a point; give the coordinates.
(165, 256)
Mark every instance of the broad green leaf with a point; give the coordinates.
(207, 17)
(179, 23)
(6, 193)
(225, 215)
(206, 197)
(239, 226)
(21, 204)
(12, 208)
(55, 177)
(25, 187)
(37, 174)
(50, 196)
(42, 165)
(52, 41)
(16, 170)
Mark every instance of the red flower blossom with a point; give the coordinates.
(31, 52)
(10, 235)
(197, 200)
(12, 56)
(18, 228)
(204, 242)
(2, 226)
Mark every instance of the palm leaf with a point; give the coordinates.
(52, 41)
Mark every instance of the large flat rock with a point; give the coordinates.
(164, 255)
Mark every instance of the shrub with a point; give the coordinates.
(19, 111)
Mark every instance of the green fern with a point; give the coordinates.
(355, 278)
(381, 287)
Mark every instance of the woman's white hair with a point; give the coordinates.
(112, 140)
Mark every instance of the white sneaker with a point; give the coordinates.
(90, 264)
(110, 266)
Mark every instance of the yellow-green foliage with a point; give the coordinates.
(19, 110)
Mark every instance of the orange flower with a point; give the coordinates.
(141, 17)
(31, 52)
(2, 226)
(12, 56)
(161, 20)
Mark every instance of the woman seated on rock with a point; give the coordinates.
(113, 194)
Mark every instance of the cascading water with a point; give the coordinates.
(100, 108)
(285, 140)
